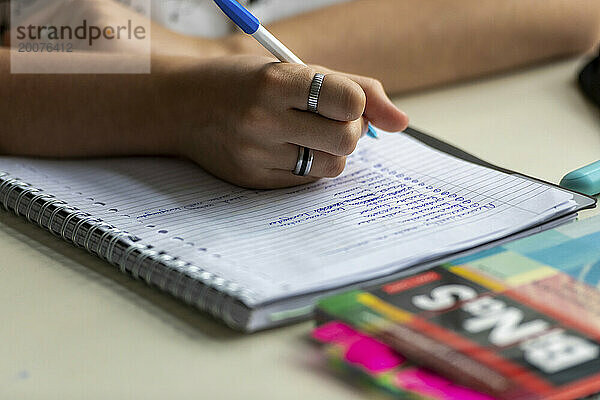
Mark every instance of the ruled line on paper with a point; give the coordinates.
(398, 200)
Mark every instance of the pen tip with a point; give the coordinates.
(372, 132)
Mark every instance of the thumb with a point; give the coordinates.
(379, 109)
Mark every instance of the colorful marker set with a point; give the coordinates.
(358, 353)
(516, 321)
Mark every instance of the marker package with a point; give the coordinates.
(516, 321)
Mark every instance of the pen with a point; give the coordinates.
(252, 26)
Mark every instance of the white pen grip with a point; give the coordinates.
(275, 47)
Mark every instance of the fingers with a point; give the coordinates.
(343, 97)
(274, 125)
(311, 130)
(340, 99)
(379, 108)
(278, 171)
(324, 165)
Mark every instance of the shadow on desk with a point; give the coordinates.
(182, 317)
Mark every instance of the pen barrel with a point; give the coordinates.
(275, 47)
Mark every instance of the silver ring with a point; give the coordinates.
(315, 92)
(306, 155)
(305, 161)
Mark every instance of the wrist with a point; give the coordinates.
(183, 102)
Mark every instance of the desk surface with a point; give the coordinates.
(73, 327)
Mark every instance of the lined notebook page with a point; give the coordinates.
(398, 202)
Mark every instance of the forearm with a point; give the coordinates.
(410, 44)
(89, 115)
(113, 13)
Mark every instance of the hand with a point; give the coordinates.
(248, 116)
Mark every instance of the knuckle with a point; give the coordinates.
(300, 78)
(253, 119)
(334, 166)
(353, 100)
(375, 83)
(294, 79)
(270, 76)
(348, 138)
(276, 79)
(244, 154)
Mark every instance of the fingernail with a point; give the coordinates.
(371, 132)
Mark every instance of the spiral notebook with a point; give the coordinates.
(257, 259)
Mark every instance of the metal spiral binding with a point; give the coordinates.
(161, 258)
(186, 295)
(179, 268)
(206, 278)
(90, 233)
(8, 184)
(79, 224)
(180, 275)
(139, 260)
(128, 252)
(54, 214)
(32, 202)
(43, 209)
(63, 230)
(23, 194)
(112, 243)
(161, 281)
(185, 281)
(111, 231)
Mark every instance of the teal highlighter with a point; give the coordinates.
(584, 180)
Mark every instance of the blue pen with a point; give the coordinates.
(251, 25)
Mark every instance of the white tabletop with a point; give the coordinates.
(73, 327)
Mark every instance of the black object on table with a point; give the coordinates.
(589, 80)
